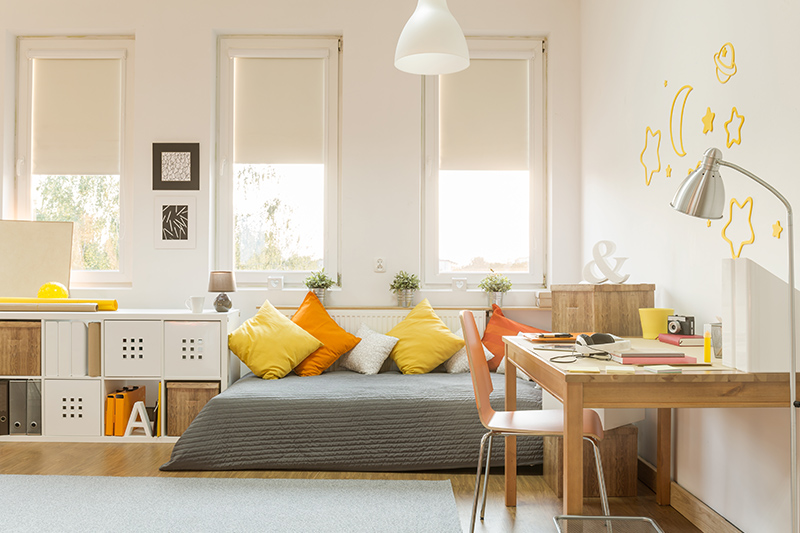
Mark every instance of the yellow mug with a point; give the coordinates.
(654, 321)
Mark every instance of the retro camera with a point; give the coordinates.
(680, 325)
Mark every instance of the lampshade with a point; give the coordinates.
(702, 193)
(221, 281)
(431, 42)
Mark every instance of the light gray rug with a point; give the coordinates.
(147, 504)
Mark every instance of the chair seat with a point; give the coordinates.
(545, 422)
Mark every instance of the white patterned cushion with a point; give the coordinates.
(459, 362)
(369, 354)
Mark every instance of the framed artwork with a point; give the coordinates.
(176, 166)
(175, 222)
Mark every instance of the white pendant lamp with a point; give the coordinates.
(431, 42)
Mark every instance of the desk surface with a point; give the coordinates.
(692, 388)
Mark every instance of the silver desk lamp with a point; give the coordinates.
(702, 195)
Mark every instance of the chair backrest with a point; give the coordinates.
(478, 366)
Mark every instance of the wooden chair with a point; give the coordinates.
(549, 422)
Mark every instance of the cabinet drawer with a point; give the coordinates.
(72, 407)
(191, 349)
(132, 348)
(20, 348)
(184, 401)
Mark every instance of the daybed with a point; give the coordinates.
(343, 420)
(347, 406)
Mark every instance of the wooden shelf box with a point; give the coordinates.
(20, 345)
(185, 399)
(601, 308)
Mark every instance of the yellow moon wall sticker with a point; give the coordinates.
(751, 239)
(655, 162)
(676, 119)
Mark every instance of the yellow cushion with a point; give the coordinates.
(270, 344)
(313, 318)
(424, 342)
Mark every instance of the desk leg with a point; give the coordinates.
(573, 449)
(664, 456)
(511, 442)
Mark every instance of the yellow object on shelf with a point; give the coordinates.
(102, 305)
(52, 289)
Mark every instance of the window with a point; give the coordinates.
(484, 166)
(278, 149)
(72, 141)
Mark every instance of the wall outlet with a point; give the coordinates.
(459, 284)
(380, 266)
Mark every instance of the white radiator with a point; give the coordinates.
(382, 320)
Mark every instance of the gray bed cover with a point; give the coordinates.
(347, 421)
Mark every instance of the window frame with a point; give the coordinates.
(94, 47)
(533, 50)
(325, 47)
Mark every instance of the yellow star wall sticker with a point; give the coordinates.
(649, 167)
(777, 229)
(708, 121)
(737, 121)
(751, 239)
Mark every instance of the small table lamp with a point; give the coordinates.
(222, 281)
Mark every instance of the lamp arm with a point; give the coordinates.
(792, 328)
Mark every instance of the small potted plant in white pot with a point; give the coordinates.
(495, 285)
(404, 285)
(319, 283)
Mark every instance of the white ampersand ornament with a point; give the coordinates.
(602, 251)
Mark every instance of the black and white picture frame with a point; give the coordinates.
(176, 166)
(175, 222)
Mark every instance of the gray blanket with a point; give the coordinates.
(347, 421)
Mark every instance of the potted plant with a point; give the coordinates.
(319, 283)
(404, 285)
(495, 285)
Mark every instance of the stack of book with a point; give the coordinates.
(681, 340)
(638, 357)
(544, 299)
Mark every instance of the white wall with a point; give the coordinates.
(175, 98)
(736, 461)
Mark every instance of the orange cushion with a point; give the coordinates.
(312, 317)
(498, 327)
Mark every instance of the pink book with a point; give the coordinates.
(678, 360)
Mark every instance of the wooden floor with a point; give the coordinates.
(535, 509)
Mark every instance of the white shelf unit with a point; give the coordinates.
(137, 347)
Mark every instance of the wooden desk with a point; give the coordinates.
(692, 388)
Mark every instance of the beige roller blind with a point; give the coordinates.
(76, 118)
(483, 116)
(279, 110)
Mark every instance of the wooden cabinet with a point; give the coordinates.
(20, 353)
(618, 452)
(601, 308)
(185, 399)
